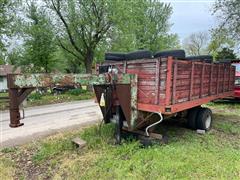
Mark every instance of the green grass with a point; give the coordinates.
(215, 155)
(52, 99)
(188, 156)
(6, 168)
(226, 107)
(3, 94)
(52, 148)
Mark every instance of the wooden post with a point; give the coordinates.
(202, 78)
(168, 80)
(210, 81)
(174, 82)
(191, 81)
(157, 85)
(218, 79)
(223, 85)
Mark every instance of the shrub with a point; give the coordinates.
(77, 92)
(35, 96)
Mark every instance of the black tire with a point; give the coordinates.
(177, 54)
(205, 58)
(204, 119)
(192, 118)
(142, 54)
(115, 56)
(224, 61)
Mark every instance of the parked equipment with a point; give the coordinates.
(131, 93)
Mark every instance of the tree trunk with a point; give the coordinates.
(46, 67)
(88, 61)
(88, 65)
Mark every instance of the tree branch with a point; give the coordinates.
(66, 49)
(58, 11)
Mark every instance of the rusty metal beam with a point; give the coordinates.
(14, 108)
(20, 86)
(49, 80)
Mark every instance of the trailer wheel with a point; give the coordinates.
(192, 117)
(204, 119)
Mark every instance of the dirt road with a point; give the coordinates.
(45, 120)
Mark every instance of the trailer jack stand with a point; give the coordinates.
(15, 116)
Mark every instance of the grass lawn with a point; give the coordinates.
(3, 94)
(215, 155)
(36, 99)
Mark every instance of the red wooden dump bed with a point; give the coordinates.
(169, 86)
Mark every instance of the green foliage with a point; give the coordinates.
(84, 30)
(3, 18)
(52, 99)
(1, 61)
(226, 53)
(7, 26)
(110, 26)
(3, 25)
(220, 39)
(83, 25)
(35, 96)
(142, 25)
(39, 42)
(228, 14)
(77, 92)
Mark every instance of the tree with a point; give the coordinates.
(196, 43)
(228, 12)
(4, 18)
(39, 46)
(2, 61)
(142, 25)
(7, 14)
(85, 24)
(88, 28)
(220, 39)
(225, 54)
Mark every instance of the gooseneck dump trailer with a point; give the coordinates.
(130, 92)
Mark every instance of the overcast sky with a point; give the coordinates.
(191, 16)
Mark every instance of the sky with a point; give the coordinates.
(191, 16)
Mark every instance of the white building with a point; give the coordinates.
(4, 70)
